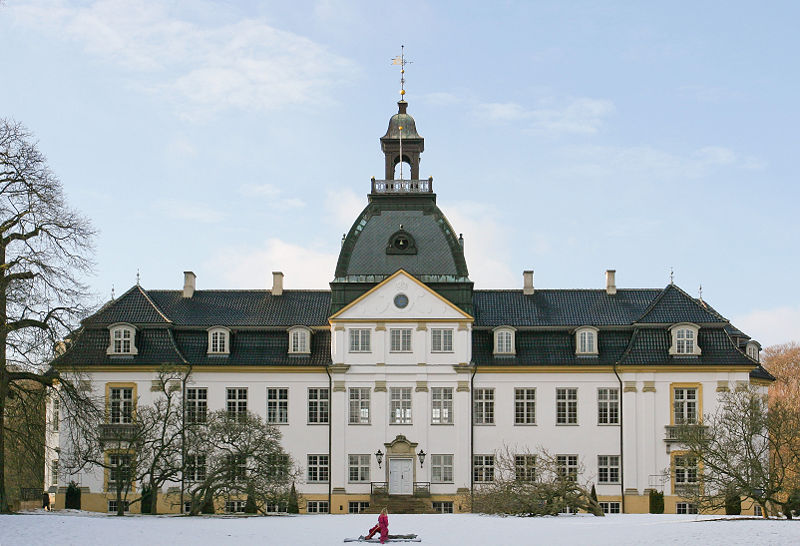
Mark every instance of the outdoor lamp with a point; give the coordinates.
(379, 456)
(421, 456)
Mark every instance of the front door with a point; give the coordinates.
(401, 479)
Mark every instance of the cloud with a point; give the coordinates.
(271, 193)
(189, 210)
(245, 64)
(771, 326)
(342, 207)
(248, 267)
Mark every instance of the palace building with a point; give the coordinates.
(404, 378)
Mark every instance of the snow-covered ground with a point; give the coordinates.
(84, 528)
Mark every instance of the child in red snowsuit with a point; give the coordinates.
(382, 526)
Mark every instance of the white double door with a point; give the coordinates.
(401, 476)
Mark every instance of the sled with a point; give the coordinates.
(391, 538)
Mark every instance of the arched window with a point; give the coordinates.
(753, 349)
(504, 343)
(219, 341)
(299, 340)
(684, 340)
(122, 339)
(586, 340)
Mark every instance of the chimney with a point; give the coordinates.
(527, 282)
(611, 284)
(277, 283)
(188, 284)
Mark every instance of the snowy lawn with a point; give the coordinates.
(73, 527)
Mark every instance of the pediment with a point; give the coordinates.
(401, 297)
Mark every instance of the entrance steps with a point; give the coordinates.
(400, 504)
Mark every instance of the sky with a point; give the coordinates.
(237, 138)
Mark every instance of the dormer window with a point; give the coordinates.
(504, 340)
(299, 340)
(684, 340)
(219, 341)
(586, 340)
(122, 340)
(753, 349)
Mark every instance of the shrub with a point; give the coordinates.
(292, 506)
(208, 506)
(792, 504)
(250, 505)
(733, 503)
(73, 497)
(656, 502)
(147, 499)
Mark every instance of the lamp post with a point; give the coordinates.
(379, 457)
(421, 456)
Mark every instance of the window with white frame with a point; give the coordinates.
(400, 405)
(112, 506)
(317, 507)
(195, 468)
(236, 403)
(442, 468)
(567, 466)
(504, 341)
(684, 405)
(299, 340)
(685, 508)
(685, 469)
(357, 507)
(236, 467)
(442, 340)
(277, 405)
(567, 406)
(608, 406)
(235, 506)
(586, 341)
(317, 469)
(359, 406)
(123, 340)
(55, 415)
(483, 404)
(119, 470)
(276, 507)
(753, 350)
(358, 468)
(360, 340)
(218, 341)
(120, 405)
(442, 405)
(196, 405)
(483, 468)
(54, 472)
(684, 340)
(278, 465)
(400, 340)
(525, 468)
(608, 469)
(318, 404)
(525, 406)
(610, 507)
(442, 507)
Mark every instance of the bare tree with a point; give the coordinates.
(534, 484)
(747, 446)
(44, 249)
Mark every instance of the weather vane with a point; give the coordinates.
(671, 275)
(401, 60)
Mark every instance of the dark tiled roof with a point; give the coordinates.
(650, 346)
(155, 345)
(761, 373)
(674, 305)
(134, 306)
(561, 307)
(548, 348)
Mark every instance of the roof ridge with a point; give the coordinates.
(151, 302)
(564, 289)
(175, 346)
(265, 290)
(629, 348)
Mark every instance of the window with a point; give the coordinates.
(359, 405)
(686, 508)
(234, 506)
(359, 340)
(610, 507)
(298, 340)
(218, 341)
(112, 506)
(483, 401)
(483, 468)
(278, 465)
(524, 406)
(566, 406)
(608, 468)
(236, 466)
(121, 405)
(504, 341)
(356, 507)
(54, 472)
(197, 404)
(122, 340)
(55, 417)
(586, 341)
(400, 340)
(195, 468)
(607, 406)
(684, 340)
(237, 403)
(443, 507)
(318, 400)
(119, 470)
(684, 405)
(753, 350)
(685, 470)
(317, 507)
(275, 507)
(442, 468)
(525, 468)
(442, 405)
(757, 511)
(277, 405)
(358, 468)
(400, 406)
(317, 468)
(442, 340)
(567, 466)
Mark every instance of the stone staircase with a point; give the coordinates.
(400, 504)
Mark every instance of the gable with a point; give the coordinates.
(674, 305)
(379, 303)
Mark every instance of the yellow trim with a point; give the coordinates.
(610, 369)
(416, 320)
(397, 273)
(121, 385)
(107, 470)
(760, 382)
(222, 368)
(672, 387)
